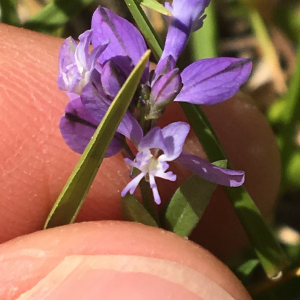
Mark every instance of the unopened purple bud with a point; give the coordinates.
(164, 66)
(164, 91)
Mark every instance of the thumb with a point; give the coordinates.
(112, 260)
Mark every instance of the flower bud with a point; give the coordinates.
(164, 91)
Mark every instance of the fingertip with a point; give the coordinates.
(158, 255)
(124, 277)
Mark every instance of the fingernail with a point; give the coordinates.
(124, 277)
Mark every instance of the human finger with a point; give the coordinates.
(82, 260)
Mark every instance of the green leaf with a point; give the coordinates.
(55, 14)
(133, 210)
(266, 246)
(145, 27)
(154, 5)
(290, 120)
(188, 203)
(73, 194)
(9, 13)
(246, 269)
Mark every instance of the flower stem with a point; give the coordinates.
(290, 118)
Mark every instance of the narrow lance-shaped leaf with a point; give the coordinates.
(134, 211)
(186, 207)
(155, 5)
(267, 248)
(73, 194)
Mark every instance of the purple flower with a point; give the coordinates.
(97, 77)
(160, 146)
(76, 65)
(92, 80)
(155, 149)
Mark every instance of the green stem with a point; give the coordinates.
(290, 118)
(199, 47)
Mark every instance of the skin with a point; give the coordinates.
(35, 255)
(34, 157)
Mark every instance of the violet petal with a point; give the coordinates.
(174, 137)
(213, 80)
(82, 50)
(132, 185)
(112, 79)
(125, 39)
(95, 54)
(97, 105)
(153, 139)
(95, 102)
(153, 185)
(67, 65)
(165, 89)
(77, 127)
(211, 172)
(130, 128)
(67, 53)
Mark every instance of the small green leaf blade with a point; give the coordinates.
(134, 211)
(245, 270)
(55, 14)
(70, 200)
(187, 205)
(155, 5)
